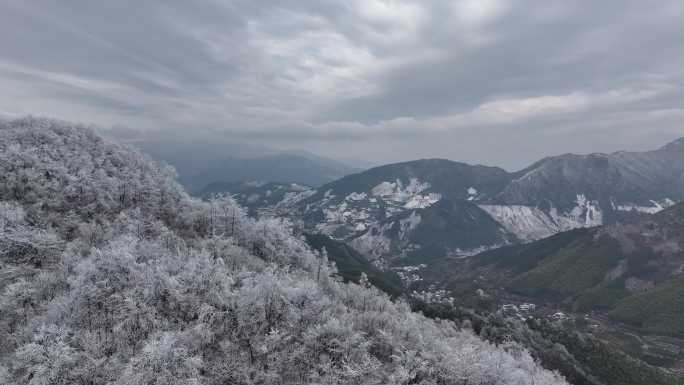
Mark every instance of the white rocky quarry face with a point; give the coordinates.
(356, 197)
(525, 222)
(531, 223)
(586, 213)
(360, 217)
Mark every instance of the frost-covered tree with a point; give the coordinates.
(112, 274)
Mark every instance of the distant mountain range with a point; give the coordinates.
(201, 160)
(425, 209)
(568, 191)
(279, 167)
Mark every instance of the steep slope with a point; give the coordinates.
(622, 284)
(633, 272)
(148, 286)
(387, 211)
(63, 174)
(446, 228)
(569, 191)
(449, 178)
(351, 265)
(260, 198)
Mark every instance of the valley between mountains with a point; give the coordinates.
(407, 273)
(594, 240)
(433, 208)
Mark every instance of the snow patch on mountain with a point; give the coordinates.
(345, 214)
(343, 220)
(657, 206)
(345, 217)
(472, 193)
(356, 196)
(422, 201)
(299, 187)
(463, 253)
(384, 189)
(410, 195)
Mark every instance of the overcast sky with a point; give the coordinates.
(498, 82)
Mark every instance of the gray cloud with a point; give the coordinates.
(487, 81)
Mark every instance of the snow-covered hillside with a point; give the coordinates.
(112, 274)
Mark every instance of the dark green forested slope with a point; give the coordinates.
(660, 310)
(580, 357)
(351, 265)
(632, 271)
(569, 271)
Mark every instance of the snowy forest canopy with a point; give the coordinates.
(111, 274)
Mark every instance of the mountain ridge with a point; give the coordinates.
(554, 194)
(204, 158)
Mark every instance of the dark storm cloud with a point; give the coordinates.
(488, 81)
